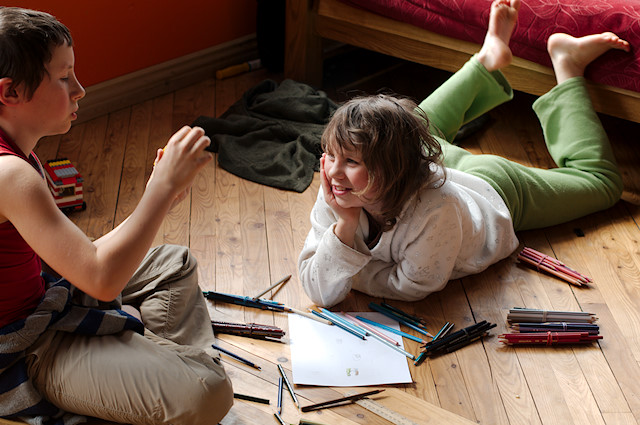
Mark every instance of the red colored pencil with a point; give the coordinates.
(548, 338)
(552, 266)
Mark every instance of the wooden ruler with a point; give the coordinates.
(383, 411)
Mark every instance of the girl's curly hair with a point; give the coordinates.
(392, 135)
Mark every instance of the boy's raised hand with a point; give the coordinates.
(180, 161)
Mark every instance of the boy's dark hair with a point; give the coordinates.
(27, 40)
(392, 135)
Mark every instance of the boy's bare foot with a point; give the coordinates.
(570, 55)
(495, 52)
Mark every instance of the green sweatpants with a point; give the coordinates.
(587, 178)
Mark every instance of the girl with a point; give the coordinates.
(401, 211)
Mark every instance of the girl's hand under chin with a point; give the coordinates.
(348, 214)
(347, 223)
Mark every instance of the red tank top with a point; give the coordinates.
(21, 286)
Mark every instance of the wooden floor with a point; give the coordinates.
(246, 236)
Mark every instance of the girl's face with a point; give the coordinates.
(348, 177)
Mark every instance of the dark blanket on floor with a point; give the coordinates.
(272, 134)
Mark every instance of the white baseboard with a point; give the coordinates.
(139, 86)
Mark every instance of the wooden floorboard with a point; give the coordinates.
(246, 236)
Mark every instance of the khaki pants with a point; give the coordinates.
(171, 375)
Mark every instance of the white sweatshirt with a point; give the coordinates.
(443, 233)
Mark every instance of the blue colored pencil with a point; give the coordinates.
(400, 319)
(334, 317)
(392, 330)
(338, 324)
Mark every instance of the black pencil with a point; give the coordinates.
(331, 403)
(251, 398)
(237, 357)
(279, 418)
(280, 395)
(288, 385)
(467, 332)
(458, 339)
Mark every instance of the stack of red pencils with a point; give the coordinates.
(542, 327)
(549, 338)
(552, 266)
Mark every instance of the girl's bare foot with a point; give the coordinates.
(495, 52)
(570, 55)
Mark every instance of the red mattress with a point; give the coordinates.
(538, 19)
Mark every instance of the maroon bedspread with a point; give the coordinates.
(538, 19)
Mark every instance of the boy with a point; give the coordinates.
(69, 346)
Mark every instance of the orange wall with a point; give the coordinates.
(116, 37)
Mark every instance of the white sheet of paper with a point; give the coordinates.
(327, 355)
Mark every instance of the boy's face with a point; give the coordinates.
(55, 102)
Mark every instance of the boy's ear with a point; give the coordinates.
(8, 94)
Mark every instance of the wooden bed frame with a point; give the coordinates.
(309, 21)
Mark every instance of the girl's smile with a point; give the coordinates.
(348, 178)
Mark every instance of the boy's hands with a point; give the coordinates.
(179, 162)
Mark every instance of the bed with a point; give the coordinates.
(444, 33)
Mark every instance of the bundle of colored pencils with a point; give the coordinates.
(251, 330)
(552, 266)
(542, 327)
(245, 301)
(402, 317)
(533, 315)
(590, 328)
(455, 341)
(549, 338)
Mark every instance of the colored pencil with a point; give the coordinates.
(288, 385)
(418, 327)
(392, 330)
(251, 330)
(553, 266)
(237, 357)
(458, 339)
(443, 331)
(244, 301)
(251, 398)
(280, 395)
(396, 310)
(385, 340)
(339, 401)
(308, 315)
(531, 315)
(280, 420)
(591, 328)
(549, 338)
(278, 283)
(554, 262)
(331, 317)
(371, 329)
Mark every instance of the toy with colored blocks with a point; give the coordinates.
(65, 184)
